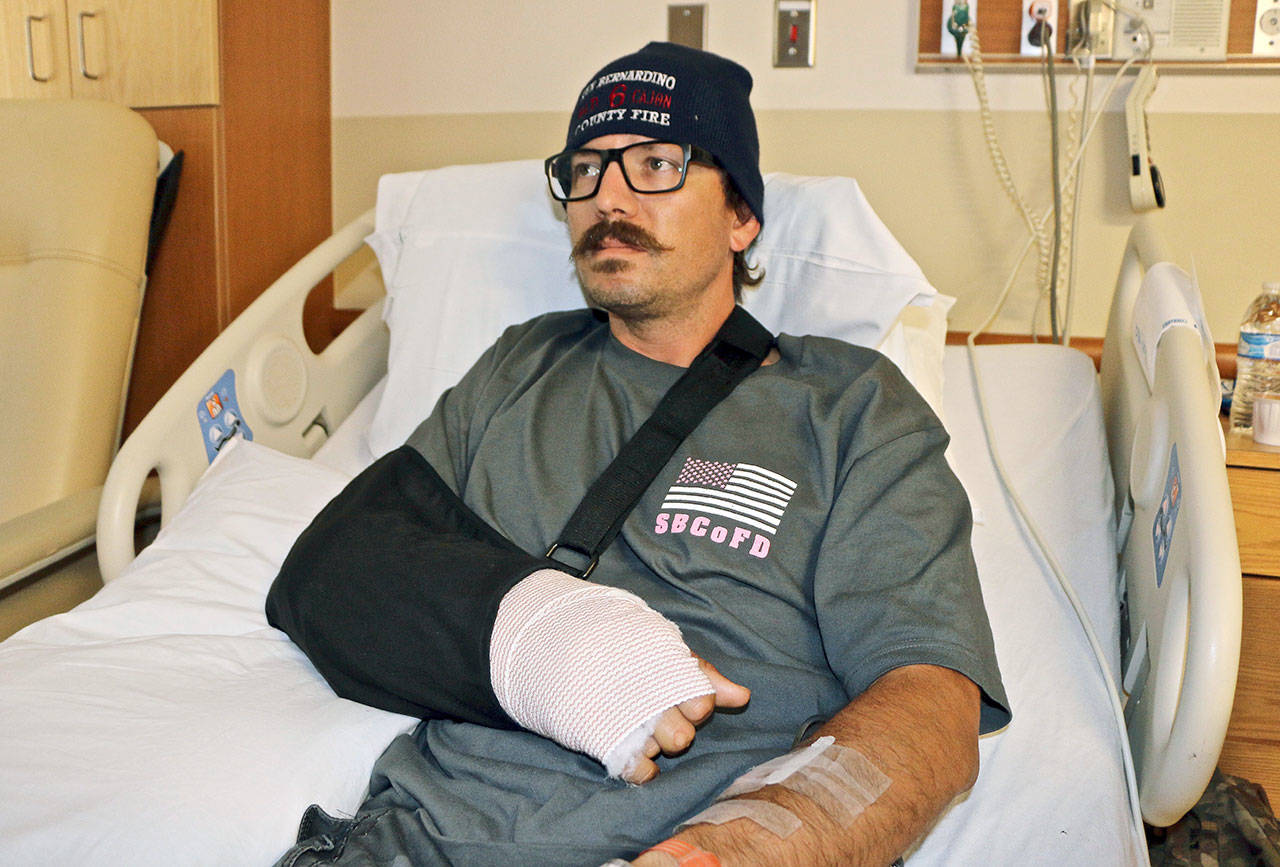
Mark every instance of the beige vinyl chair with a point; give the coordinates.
(77, 180)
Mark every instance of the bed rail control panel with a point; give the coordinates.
(219, 416)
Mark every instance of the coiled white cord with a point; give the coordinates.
(1038, 235)
(1072, 176)
(998, 161)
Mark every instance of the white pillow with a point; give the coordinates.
(916, 342)
(163, 721)
(468, 250)
(465, 252)
(832, 268)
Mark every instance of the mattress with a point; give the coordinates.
(164, 722)
(1051, 789)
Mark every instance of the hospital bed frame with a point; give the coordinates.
(1179, 666)
(1182, 638)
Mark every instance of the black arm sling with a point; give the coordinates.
(393, 589)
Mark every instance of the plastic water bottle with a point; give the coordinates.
(1257, 355)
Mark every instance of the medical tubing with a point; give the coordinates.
(1057, 193)
(1075, 129)
(1034, 227)
(1036, 235)
(1076, 160)
(1099, 655)
(1074, 201)
(1108, 678)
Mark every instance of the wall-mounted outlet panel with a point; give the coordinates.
(1091, 22)
(687, 24)
(959, 17)
(1039, 27)
(1180, 30)
(793, 38)
(1266, 29)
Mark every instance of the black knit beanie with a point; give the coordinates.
(675, 93)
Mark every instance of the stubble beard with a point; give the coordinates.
(627, 301)
(621, 297)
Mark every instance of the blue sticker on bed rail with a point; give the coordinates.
(218, 413)
(1167, 515)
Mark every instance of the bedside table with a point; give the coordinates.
(1252, 748)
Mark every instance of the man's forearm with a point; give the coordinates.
(919, 727)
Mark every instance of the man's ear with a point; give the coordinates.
(744, 230)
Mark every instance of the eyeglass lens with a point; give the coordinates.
(648, 167)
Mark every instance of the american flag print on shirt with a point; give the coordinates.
(746, 493)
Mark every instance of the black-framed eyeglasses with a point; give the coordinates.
(647, 167)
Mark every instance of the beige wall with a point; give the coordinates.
(928, 175)
(414, 88)
(420, 57)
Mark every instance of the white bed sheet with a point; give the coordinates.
(163, 722)
(1051, 789)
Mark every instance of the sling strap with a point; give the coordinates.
(738, 349)
(393, 590)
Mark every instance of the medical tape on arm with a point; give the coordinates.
(774, 818)
(589, 666)
(839, 780)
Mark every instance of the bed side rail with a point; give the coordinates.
(288, 396)
(1179, 559)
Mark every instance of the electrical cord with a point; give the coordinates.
(1077, 159)
(1077, 130)
(1109, 681)
(1066, 212)
(1037, 228)
(1057, 191)
(1037, 236)
(978, 74)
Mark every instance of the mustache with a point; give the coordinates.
(617, 230)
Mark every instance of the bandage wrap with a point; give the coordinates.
(589, 666)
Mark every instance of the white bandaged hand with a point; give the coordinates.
(589, 666)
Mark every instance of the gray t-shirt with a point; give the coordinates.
(807, 537)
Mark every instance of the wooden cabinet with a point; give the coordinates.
(33, 49)
(1252, 748)
(255, 193)
(142, 53)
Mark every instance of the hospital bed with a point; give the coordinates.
(163, 721)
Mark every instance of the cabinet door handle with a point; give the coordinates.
(84, 70)
(31, 50)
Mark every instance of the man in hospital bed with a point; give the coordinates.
(842, 593)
